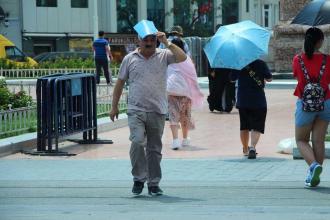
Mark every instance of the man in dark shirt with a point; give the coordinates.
(251, 103)
(220, 86)
(102, 55)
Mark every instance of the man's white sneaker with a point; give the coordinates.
(185, 142)
(176, 144)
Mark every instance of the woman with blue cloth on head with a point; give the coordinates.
(311, 68)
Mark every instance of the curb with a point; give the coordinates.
(296, 153)
(203, 82)
(289, 146)
(28, 141)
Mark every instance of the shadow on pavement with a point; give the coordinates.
(165, 199)
(81, 148)
(259, 159)
(320, 189)
(224, 113)
(192, 148)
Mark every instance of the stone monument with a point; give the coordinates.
(289, 38)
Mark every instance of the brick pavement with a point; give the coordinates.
(216, 135)
(228, 188)
(210, 180)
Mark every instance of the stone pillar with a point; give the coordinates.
(142, 10)
(113, 14)
(169, 17)
(289, 8)
(217, 13)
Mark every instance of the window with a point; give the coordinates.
(13, 53)
(266, 16)
(230, 11)
(46, 3)
(156, 13)
(279, 10)
(79, 3)
(247, 5)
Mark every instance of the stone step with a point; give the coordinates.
(288, 146)
(296, 153)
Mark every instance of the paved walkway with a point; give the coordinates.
(216, 135)
(229, 188)
(209, 180)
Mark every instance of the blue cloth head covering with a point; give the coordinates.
(145, 28)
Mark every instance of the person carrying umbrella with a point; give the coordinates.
(251, 103)
(239, 47)
(311, 68)
(315, 13)
(220, 89)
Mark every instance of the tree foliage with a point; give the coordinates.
(195, 17)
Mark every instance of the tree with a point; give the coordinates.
(127, 16)
(195, 17)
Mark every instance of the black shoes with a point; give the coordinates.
(252, 153)
(155, 191)
(137, 187)
(167, 117)
(211, 107)
(152, 190)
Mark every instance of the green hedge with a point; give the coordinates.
(58, 63)
(17, 100)
(4, 64)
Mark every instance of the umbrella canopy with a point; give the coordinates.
(235, 46)
(314, 13)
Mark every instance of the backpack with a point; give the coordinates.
(313, 94)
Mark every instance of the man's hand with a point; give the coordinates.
(179, 54)
(161, 36)
(114, 112)
(117, 91)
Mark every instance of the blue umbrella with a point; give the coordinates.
(235, 46)
(314, 13)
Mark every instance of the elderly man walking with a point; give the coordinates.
(145, 70)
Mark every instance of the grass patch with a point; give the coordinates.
(16, 133)
(102, 111)
(327, 138)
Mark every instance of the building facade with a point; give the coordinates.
(60, 25)
(288, 39)
(10, 21)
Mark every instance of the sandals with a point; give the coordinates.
(245, 152)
